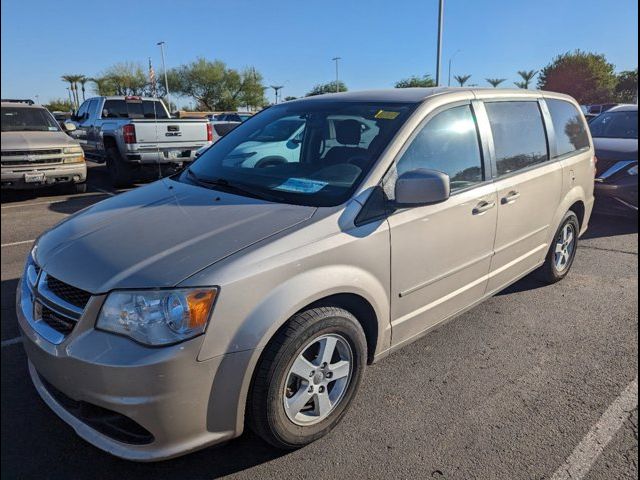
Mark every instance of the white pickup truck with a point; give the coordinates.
(136, 134)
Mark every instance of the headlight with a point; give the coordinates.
(76, 149)
(157, 317)
(633, 171)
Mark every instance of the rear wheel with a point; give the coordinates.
(119, 171)
(562, 251)
(307, 377)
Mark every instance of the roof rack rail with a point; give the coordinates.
(18, 100)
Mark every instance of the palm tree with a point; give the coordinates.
(495, 81)
(462, 79)
(527, 76)
(83, 80)
(69, 79)
(73, 85)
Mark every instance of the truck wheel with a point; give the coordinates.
(79, 188)
(562, 251)
(119, 172)
(307, 377)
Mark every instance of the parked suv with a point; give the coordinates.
(36, 152)
(256, 295)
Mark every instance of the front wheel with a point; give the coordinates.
(307, 377)
(562, 251)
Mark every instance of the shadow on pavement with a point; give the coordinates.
(609, 226)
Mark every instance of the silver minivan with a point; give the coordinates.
(237, 294)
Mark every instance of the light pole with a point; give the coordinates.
(450, 60)
(164, 68)
(276, 89)
(336, 59)
(37, 99)
(439, 53)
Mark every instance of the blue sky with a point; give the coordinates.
(292, 42)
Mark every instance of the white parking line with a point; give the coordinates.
(593, 444)
(12, 341)
(12, 244)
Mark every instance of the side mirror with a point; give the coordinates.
(422, 187)
(68, 126)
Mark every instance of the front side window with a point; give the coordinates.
(618, 124)
(307, 153)
(571, 133)
(23, 119)
(519, 136)
(447, 143)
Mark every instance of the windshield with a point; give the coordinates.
(17, 119)
(306, 153)
(615, 125)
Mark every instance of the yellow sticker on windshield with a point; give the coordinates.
(386, 115)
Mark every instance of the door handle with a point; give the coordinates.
(511, 197)
(483, 207)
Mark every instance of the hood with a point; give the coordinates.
(612, 150)
(36, 140)
(158, 235)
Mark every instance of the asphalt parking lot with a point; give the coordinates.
(526, 386)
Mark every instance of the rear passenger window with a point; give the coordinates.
(571, 133)
(519, 136)
(447, 143)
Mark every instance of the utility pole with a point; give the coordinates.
(450, 59)
(336, 59)
(439, 54)
(276, 89)
(164, 68)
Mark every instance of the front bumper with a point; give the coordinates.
(14, 177)
(184, 404)
(616, 199)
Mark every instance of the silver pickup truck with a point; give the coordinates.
(136, 134)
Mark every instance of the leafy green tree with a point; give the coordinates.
(494, 82)
(214, 86)
(329, 87)
(462, 79)
(587, 77)
(59, 105)
(627, 86)
(416, 81)
(527, 76)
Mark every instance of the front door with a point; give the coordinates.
(441, 254)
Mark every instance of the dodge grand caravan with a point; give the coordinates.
(170, 317)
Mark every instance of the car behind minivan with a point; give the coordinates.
(255, 294)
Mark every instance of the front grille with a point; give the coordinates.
(59, 323)
(22, 153)
(107, 422)
(40, 161)
(68, 293)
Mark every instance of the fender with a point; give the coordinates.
(287, 299)
(576, 194)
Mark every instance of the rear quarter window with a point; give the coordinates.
(570, 129)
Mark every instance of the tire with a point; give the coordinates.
(79, 188)
(274, 384)
(119, 172)
(551, 272)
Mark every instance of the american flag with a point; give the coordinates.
(152, 79)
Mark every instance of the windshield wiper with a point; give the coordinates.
(225, 184)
